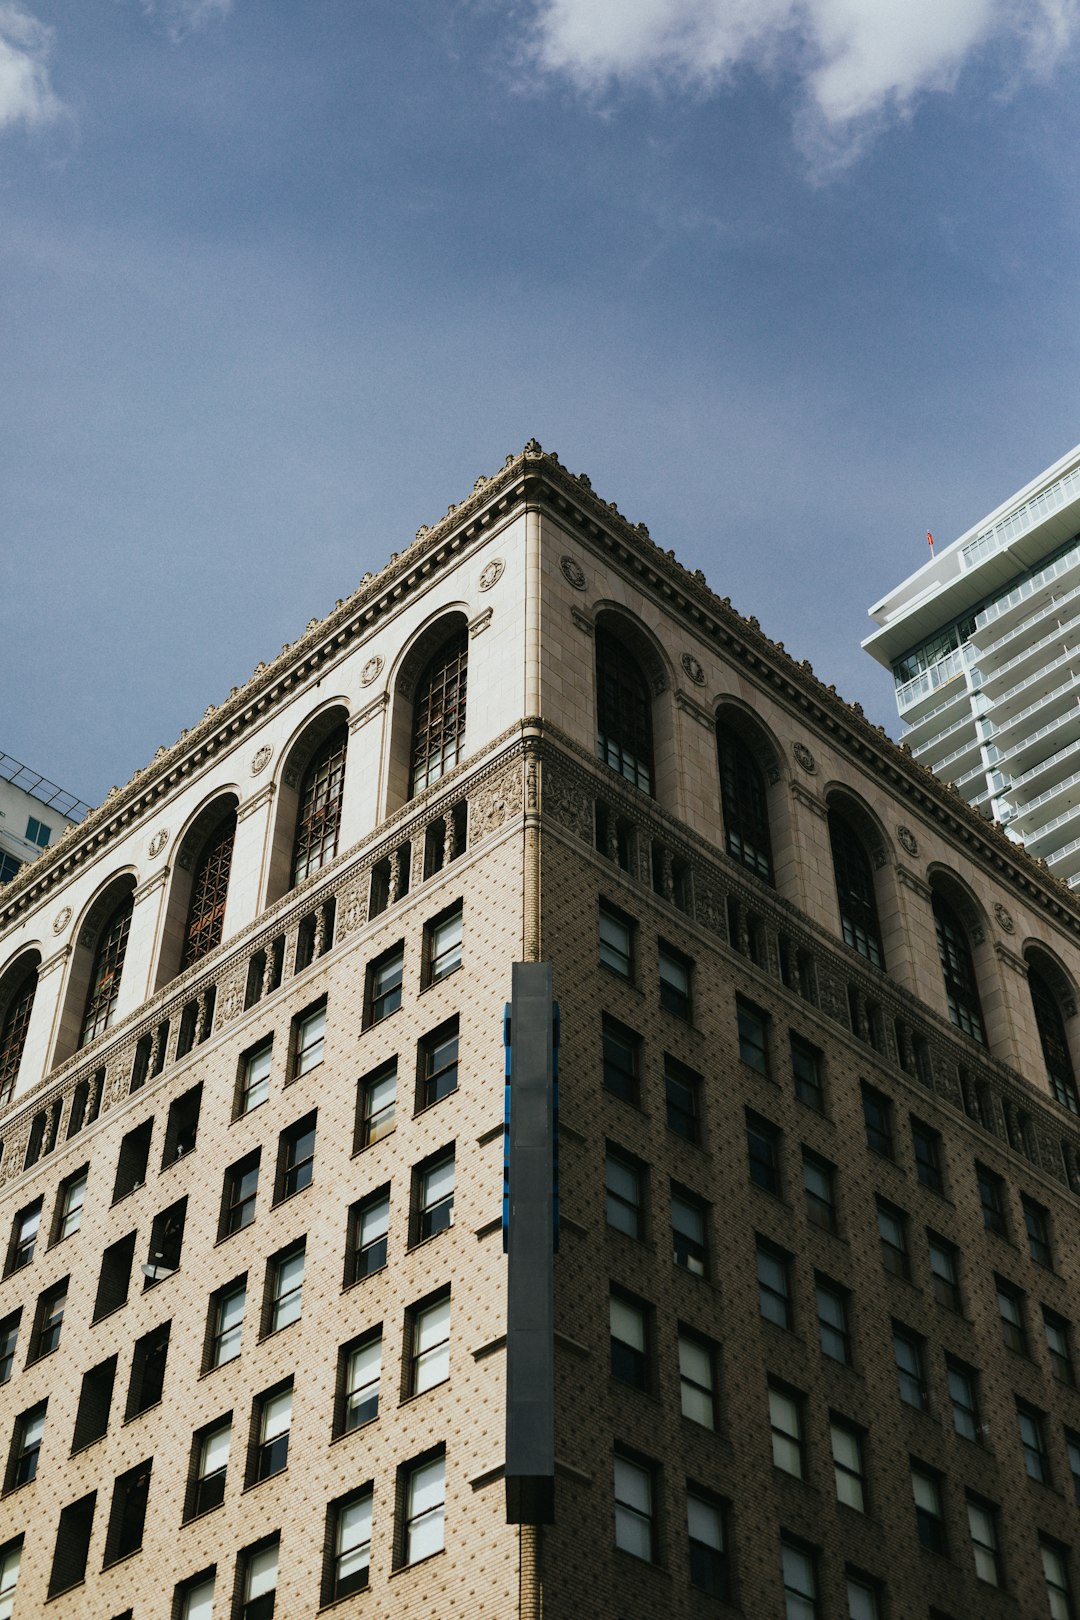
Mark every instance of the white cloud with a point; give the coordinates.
(26, 97)
(181, 17)
(856, 62)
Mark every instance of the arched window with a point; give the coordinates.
(855, 890)
(209, 891)
(743, 802)
(319, 816)
(961, 987)
(106, 971)
(13, 1027)
(1055, 1042)
(623, 713)
(438, 728)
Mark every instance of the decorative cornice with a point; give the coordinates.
(369, 712)
(802, 795)
(1010, 960)
(917, 885)
(256, 802)
(686, 703)
(151, 885)
(478, 625)
(582, 620)
(51, 963)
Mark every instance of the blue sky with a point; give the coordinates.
(792, 282)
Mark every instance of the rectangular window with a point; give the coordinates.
(621, 1061)
(26, 1438)
(253, 1083)
(892, 1231)
(382, 994)
(433, 1196)
(834, 1334)
(148, 1360)
(284, 1287)
(225, 1323)
(10, 1561)
(437, 1064)
(442, 945)
(70, 1198)
(708, 1554)
(992, 1198)
(682, 1100)
(877, 1118)
(909, 1356)
(256, 1581)
(1037, 1222)
(296, 1158)
(689, 1231)
(422, 1495)
(1056, 1573)
(635, 1523)
(926, 1143)
(629, 1340)
(308, 1039)
(133, 1159)
(1013, 1316)
(786, 1424)
(800, 1580)
(9, 1339)
(72, 1544)
(271, 1418)
(114, 1276)
(1072, 1447)
(819, 1187)
(616, 942)
(982, 1523)
(359, 1375)
(48, 1321)
(624, 1192)
(428, 1338)
(807, 1068)
(862, 1598)
(763, 1152)
(697, 1378)
(1059, 1344)
(127, 1515)
(24, 1235)
(964, 1395)
(238, 1194)
(182, 1126)
(209, 1465)
(929, 1518)
(347, 1556)
(166, 1242)
(674, 981)
(37, 832)
(369, 1225)
(774, 1284)
(376, 1104)
(753, 1026)
(1033, 1441)
(849, 1466)
(945, 1271)
(95, 1404)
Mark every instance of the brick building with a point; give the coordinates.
(817, 1277)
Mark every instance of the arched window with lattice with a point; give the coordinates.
(106, 971)
(209, 892)
(623, 712)
(438, 725)
(319, 816)
(1053, 1039)
(958, 967)
(855, 889)
(17, 1006)
(744, 804)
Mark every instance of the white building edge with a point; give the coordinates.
(984, 645)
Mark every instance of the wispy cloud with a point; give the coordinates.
(857, 63)
(182, 17)
(26, 96)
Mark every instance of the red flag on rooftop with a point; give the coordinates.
(930, 541)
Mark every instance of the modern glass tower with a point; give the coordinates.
(984, 645)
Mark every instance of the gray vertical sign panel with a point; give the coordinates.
(530, 1325)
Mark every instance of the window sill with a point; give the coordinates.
(253, 1485)
(347, 1434)
(403, 1569)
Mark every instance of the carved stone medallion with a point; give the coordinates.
(371, 670)
(261, 759)
(804, 757)
(491, 573)
(1004, 918)
(573, 572)
(693, 669)
(908, 839)
(61, 920)
(158, 842)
